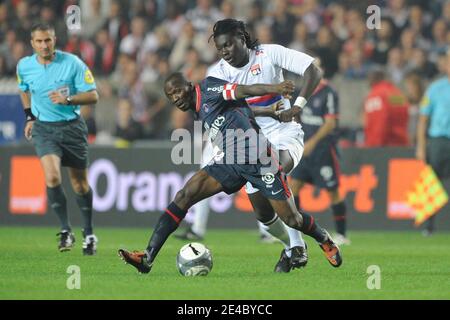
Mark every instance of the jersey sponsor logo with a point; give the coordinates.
(215, 127)
(88, 77)
(255, 69)
(215, 89)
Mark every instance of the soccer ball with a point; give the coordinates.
(194, 259)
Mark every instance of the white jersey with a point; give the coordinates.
(266, 64)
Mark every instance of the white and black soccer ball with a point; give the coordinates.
(194, 259)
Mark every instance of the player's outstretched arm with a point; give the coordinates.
(285, 88)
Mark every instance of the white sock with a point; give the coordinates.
(295, 237)
(201, 217)
(277, 228)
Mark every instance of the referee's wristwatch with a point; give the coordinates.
(69, 100)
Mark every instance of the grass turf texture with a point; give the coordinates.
(412, 267)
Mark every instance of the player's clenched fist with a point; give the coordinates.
(286, 88)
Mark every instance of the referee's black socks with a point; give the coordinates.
(84, 202)
(58, 202)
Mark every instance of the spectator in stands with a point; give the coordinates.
(420, 64)
(203, 15)
(187, 40)
(126, 127)
(357, 67)
(83, 48)
(327, 48)
(384, 41)
(414, 88)
(132, 88)
(174, 21)
(264, 33)
(115, 23)
(93, 17)
(396, 65)
(132, 43)
(282, 23)
(385, 113)
(23, 21)
(397, 11)
(439, 42)
(104, 53)
(300, 37)
(408, 43)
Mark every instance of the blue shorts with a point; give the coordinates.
(321, 168)
(233, 177)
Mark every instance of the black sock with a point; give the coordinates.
(339, 213)
(167, 223)
(84, 202)
(58, 202)
(312, 229)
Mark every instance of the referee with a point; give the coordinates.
(433, 131)
(53, 85)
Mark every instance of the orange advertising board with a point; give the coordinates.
(27, 186)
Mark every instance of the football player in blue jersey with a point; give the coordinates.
(225, 114)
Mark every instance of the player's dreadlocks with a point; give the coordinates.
(234, 27)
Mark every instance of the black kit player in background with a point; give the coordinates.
(320, 165)
(220, 105)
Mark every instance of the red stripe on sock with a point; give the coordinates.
(174, 217)
(311, 224)
(339, 218)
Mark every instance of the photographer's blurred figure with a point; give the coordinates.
(433, 131)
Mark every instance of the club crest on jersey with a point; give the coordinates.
(205, 107)
(255, 69)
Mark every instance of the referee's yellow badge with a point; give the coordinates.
(88, 77)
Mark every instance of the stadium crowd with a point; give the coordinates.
(131, 46)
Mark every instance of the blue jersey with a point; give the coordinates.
(66, 74)
(229, 122)
(436, 105)
(322, 104)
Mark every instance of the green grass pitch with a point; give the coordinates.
(412, 267)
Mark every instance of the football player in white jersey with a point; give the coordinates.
(244, 61)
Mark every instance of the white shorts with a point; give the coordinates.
(287, 136)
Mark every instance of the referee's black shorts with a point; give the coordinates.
(66, 139)
(438, 156)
